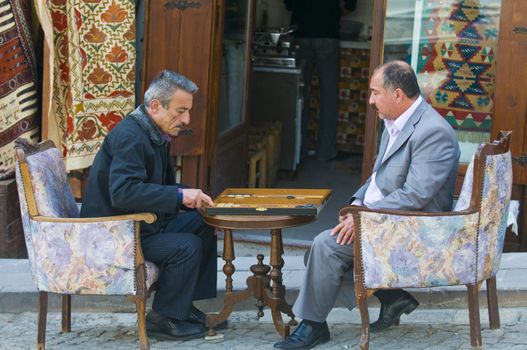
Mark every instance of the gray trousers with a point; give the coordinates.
(322, 53)
(328, 276)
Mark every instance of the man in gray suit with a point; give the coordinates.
(415, 170)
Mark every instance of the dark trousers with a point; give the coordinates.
(322, 53)
(185, 252)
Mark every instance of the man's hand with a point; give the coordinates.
(345, 230)
(195, 198)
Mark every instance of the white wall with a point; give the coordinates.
(278, 16)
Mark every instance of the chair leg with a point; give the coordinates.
(473, 310)
(42, 319)
(365, 322)
(141, 323)
(66, 313)
(492, 300)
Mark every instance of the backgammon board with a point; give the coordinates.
(270, 201)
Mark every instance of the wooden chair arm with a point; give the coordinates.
(146, 217)
(354, 209)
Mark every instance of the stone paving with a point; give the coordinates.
(424, 329)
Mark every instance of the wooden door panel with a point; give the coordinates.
(178, 36)
(510, 98)
(194, 62)
(161, 26)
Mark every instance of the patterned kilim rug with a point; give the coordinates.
(456, 65)
(18, 90)
(92, 66)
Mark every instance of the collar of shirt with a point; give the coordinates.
(395, 126)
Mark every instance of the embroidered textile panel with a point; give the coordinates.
(18, 90)
(456, 61)
(93, 65)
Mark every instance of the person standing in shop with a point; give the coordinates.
(317, 34)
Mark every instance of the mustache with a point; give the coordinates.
(186, 131)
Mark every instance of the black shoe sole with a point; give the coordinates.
(164, 336)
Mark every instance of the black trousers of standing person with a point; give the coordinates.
(322, 54)
(185, 251)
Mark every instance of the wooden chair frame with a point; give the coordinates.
(141, 291)
(362, 293)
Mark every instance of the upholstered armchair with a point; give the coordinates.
(71, 255)
(400, 249)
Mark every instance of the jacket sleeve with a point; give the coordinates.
(129, 190)
(361, 192)
(434, 154)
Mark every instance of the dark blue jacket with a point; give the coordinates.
(132, 173)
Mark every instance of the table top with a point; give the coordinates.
(269, 202)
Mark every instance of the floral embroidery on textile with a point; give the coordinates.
(94, 76)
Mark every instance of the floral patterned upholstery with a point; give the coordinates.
(495, 200)
(74, 258)
(426, 251)
(413, 251)
(51, 188)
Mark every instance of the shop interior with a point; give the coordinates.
(276, 95)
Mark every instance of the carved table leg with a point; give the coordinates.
(285, 307)
(276, 299)
(259, 281)
(228, 269)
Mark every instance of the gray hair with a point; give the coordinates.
(165, 85)
(399, 75)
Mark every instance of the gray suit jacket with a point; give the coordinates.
(420, 169)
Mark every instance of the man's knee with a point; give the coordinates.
(195, 218)
(323, 239)
(190, 249)
(319, 242)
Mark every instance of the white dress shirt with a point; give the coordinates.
(394, 127)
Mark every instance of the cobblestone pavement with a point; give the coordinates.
(424, 329)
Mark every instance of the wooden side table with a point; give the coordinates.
(259, 284)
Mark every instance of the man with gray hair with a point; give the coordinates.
(133, 172)
(415, 170)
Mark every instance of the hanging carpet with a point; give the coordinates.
(18, 89)
(92, 70)
(456, 66)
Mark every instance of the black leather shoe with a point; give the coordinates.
(165, 328)
(305, 336)
(198, 316)
(390, 313)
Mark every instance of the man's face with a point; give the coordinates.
(173, 118)
(381, 99)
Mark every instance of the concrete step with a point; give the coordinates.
(18, 293)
